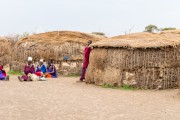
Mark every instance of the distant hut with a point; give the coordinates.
(144, 60)
(59, 46)
(5, 51)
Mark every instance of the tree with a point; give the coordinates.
(151, 28)
(99, 33)
(168, 28)
(12, 38)
(24, 35)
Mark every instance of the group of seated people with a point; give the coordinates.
(41, 72)
(3, 75)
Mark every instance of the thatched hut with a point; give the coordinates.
(59, 46)
(5, 50)
(144, 60)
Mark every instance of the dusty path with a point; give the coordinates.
(64, 99)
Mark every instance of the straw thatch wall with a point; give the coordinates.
(150, 62)
(52, 45)
(5, 51)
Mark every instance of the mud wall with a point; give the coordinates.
(5, 51)
(47, 51)
(56, 52)
(70, 68)
(144, 68)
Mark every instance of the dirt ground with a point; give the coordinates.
(64, 99)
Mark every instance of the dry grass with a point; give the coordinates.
(54, 45)
(61, 37)
(4, 46)
(143, 40)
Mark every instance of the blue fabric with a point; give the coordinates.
(42, 69)
(66, 58)
(55, 74)
(1, 75)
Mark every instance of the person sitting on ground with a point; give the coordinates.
(87, 51)
(3, 75)
(29, 69)
(51, 70)
(41, 69)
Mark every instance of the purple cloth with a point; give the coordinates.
(24, 77)
(50, 70)
(2, 73)
(83, 73)
(28, 69)
(2, 77)
(87, 51)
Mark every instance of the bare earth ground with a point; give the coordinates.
(64, 99)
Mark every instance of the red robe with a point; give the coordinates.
(87, 51)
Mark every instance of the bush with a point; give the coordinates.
(73, 75)
(99, 33)
(169, 28)
(124, 87)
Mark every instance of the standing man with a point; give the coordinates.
(87, 51)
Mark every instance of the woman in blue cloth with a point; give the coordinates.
(41, 69)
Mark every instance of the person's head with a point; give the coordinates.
(29, 60)
(0, 62)
(41, 61)
(49, 62)
(89, 42)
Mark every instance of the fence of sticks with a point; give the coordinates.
(143, 60)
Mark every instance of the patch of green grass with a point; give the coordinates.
(127, 87)
(124, 87)
(109, 86)
(72, 75)
(13, 72)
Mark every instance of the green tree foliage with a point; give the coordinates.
(168, 28)
(99, 33)
(151, 28)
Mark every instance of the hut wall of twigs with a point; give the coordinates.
(57, 45)
(5, 51)
(143, 60)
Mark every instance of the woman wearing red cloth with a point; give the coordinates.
(28, 70)
(87, 51)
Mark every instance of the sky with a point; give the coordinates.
(113, 17)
